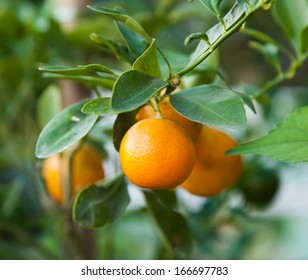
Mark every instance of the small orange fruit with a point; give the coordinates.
(157, 154)
(86, 169)
(167, 112)
(214, 171)
(51, 173)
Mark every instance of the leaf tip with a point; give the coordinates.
(232, 152)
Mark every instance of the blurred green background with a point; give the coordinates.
(264, 217)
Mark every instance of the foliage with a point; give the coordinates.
(207, 104)
(150, 52)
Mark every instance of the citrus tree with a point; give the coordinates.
(172, 114)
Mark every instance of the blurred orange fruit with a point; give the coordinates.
(86, 168)
(214, 171)
(157, 154)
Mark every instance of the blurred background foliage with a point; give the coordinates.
(264, 217)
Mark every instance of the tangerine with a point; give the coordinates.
(86, 168)
(157, 154)
(214, 171)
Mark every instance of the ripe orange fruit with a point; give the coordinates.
(86, 169)
(213, 171)
(157, 154)
(52, 173)
(167, 112)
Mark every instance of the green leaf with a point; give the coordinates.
(49, 104)
(121, 51)
(256, 34)
(125, 19)
(136, 44)
(96, 206)
(293, 18)
(98, 68)
(82, 70)
(122, 123)
(147, 63)
(211, 105)
(66, 70)
(213, 6)
(84, 74)
(99, 106)
(234, 15)
(270, 52)
(63, 130)
(133, 88)
(287, 142)
(94, 81)
(197, 36)
(172, 225)
(247, 100)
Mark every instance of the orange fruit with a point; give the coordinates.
(167, 112)
(86, 169)
(52, 171)
(214, 171)
(157, 154)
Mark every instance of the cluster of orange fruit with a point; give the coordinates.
(163, 153)
(156, 153)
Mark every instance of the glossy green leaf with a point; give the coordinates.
(125, 19)
(147, 63)
(136, 44)
(132, 89)
(270, 52)
(211, 105)
(49, 104)
(122, 123)
(171, 224)
(293, 17)
(63, 130)
(99, 106)
(96, 206)
(287, 142)
(121, 51)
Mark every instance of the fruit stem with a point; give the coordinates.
(156, 107)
